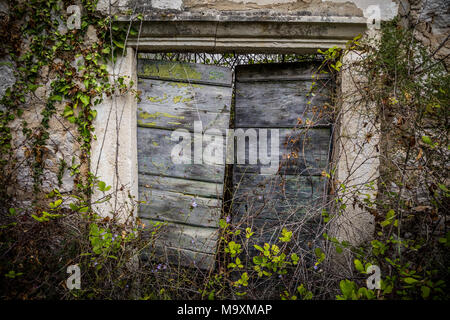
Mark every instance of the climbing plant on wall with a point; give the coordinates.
(61, 75)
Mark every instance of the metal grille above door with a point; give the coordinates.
(186, 196)
(275, 96)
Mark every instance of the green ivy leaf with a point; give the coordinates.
(347, 288)
(389, 218)
(222, 223)
(319, 254)
(358, 265)
(427, 140)
(56, 98)
(118, 44)
(85, 99)
(67, 112)
(425, 292)
(101, 185)
(72, 119)
(410, 280)
(294, 258)
(258, 248)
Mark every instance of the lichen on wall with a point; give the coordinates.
(179, 71)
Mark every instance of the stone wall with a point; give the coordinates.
(430, 18)
(62, 150)
(431, 22)
(324, 8)
(170, 8)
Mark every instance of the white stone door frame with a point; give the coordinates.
(241, 33)
(114, 153)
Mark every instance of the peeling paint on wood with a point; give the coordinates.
(178, 207)
(274, 96)
(186, 196)
(301, 152)
(198, 243)
(184, 72)
(184, 103)
(156, 160)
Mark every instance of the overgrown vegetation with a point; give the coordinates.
(410, 90)
(58, 229)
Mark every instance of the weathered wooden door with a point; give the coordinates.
(275, 97)
(188, 196)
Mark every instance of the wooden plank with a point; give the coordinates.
(154, 157)
(275, 197)
(194, 238)
(174, 105)
(279, 189)
(184, 72)
(271, 211)
(177, 207)
(186, 196)
(302, 152)
(278, 72)
(189, 187)
(183, 245)
(304, 188)
(275, 96)
(280, 105)
(182, 257)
